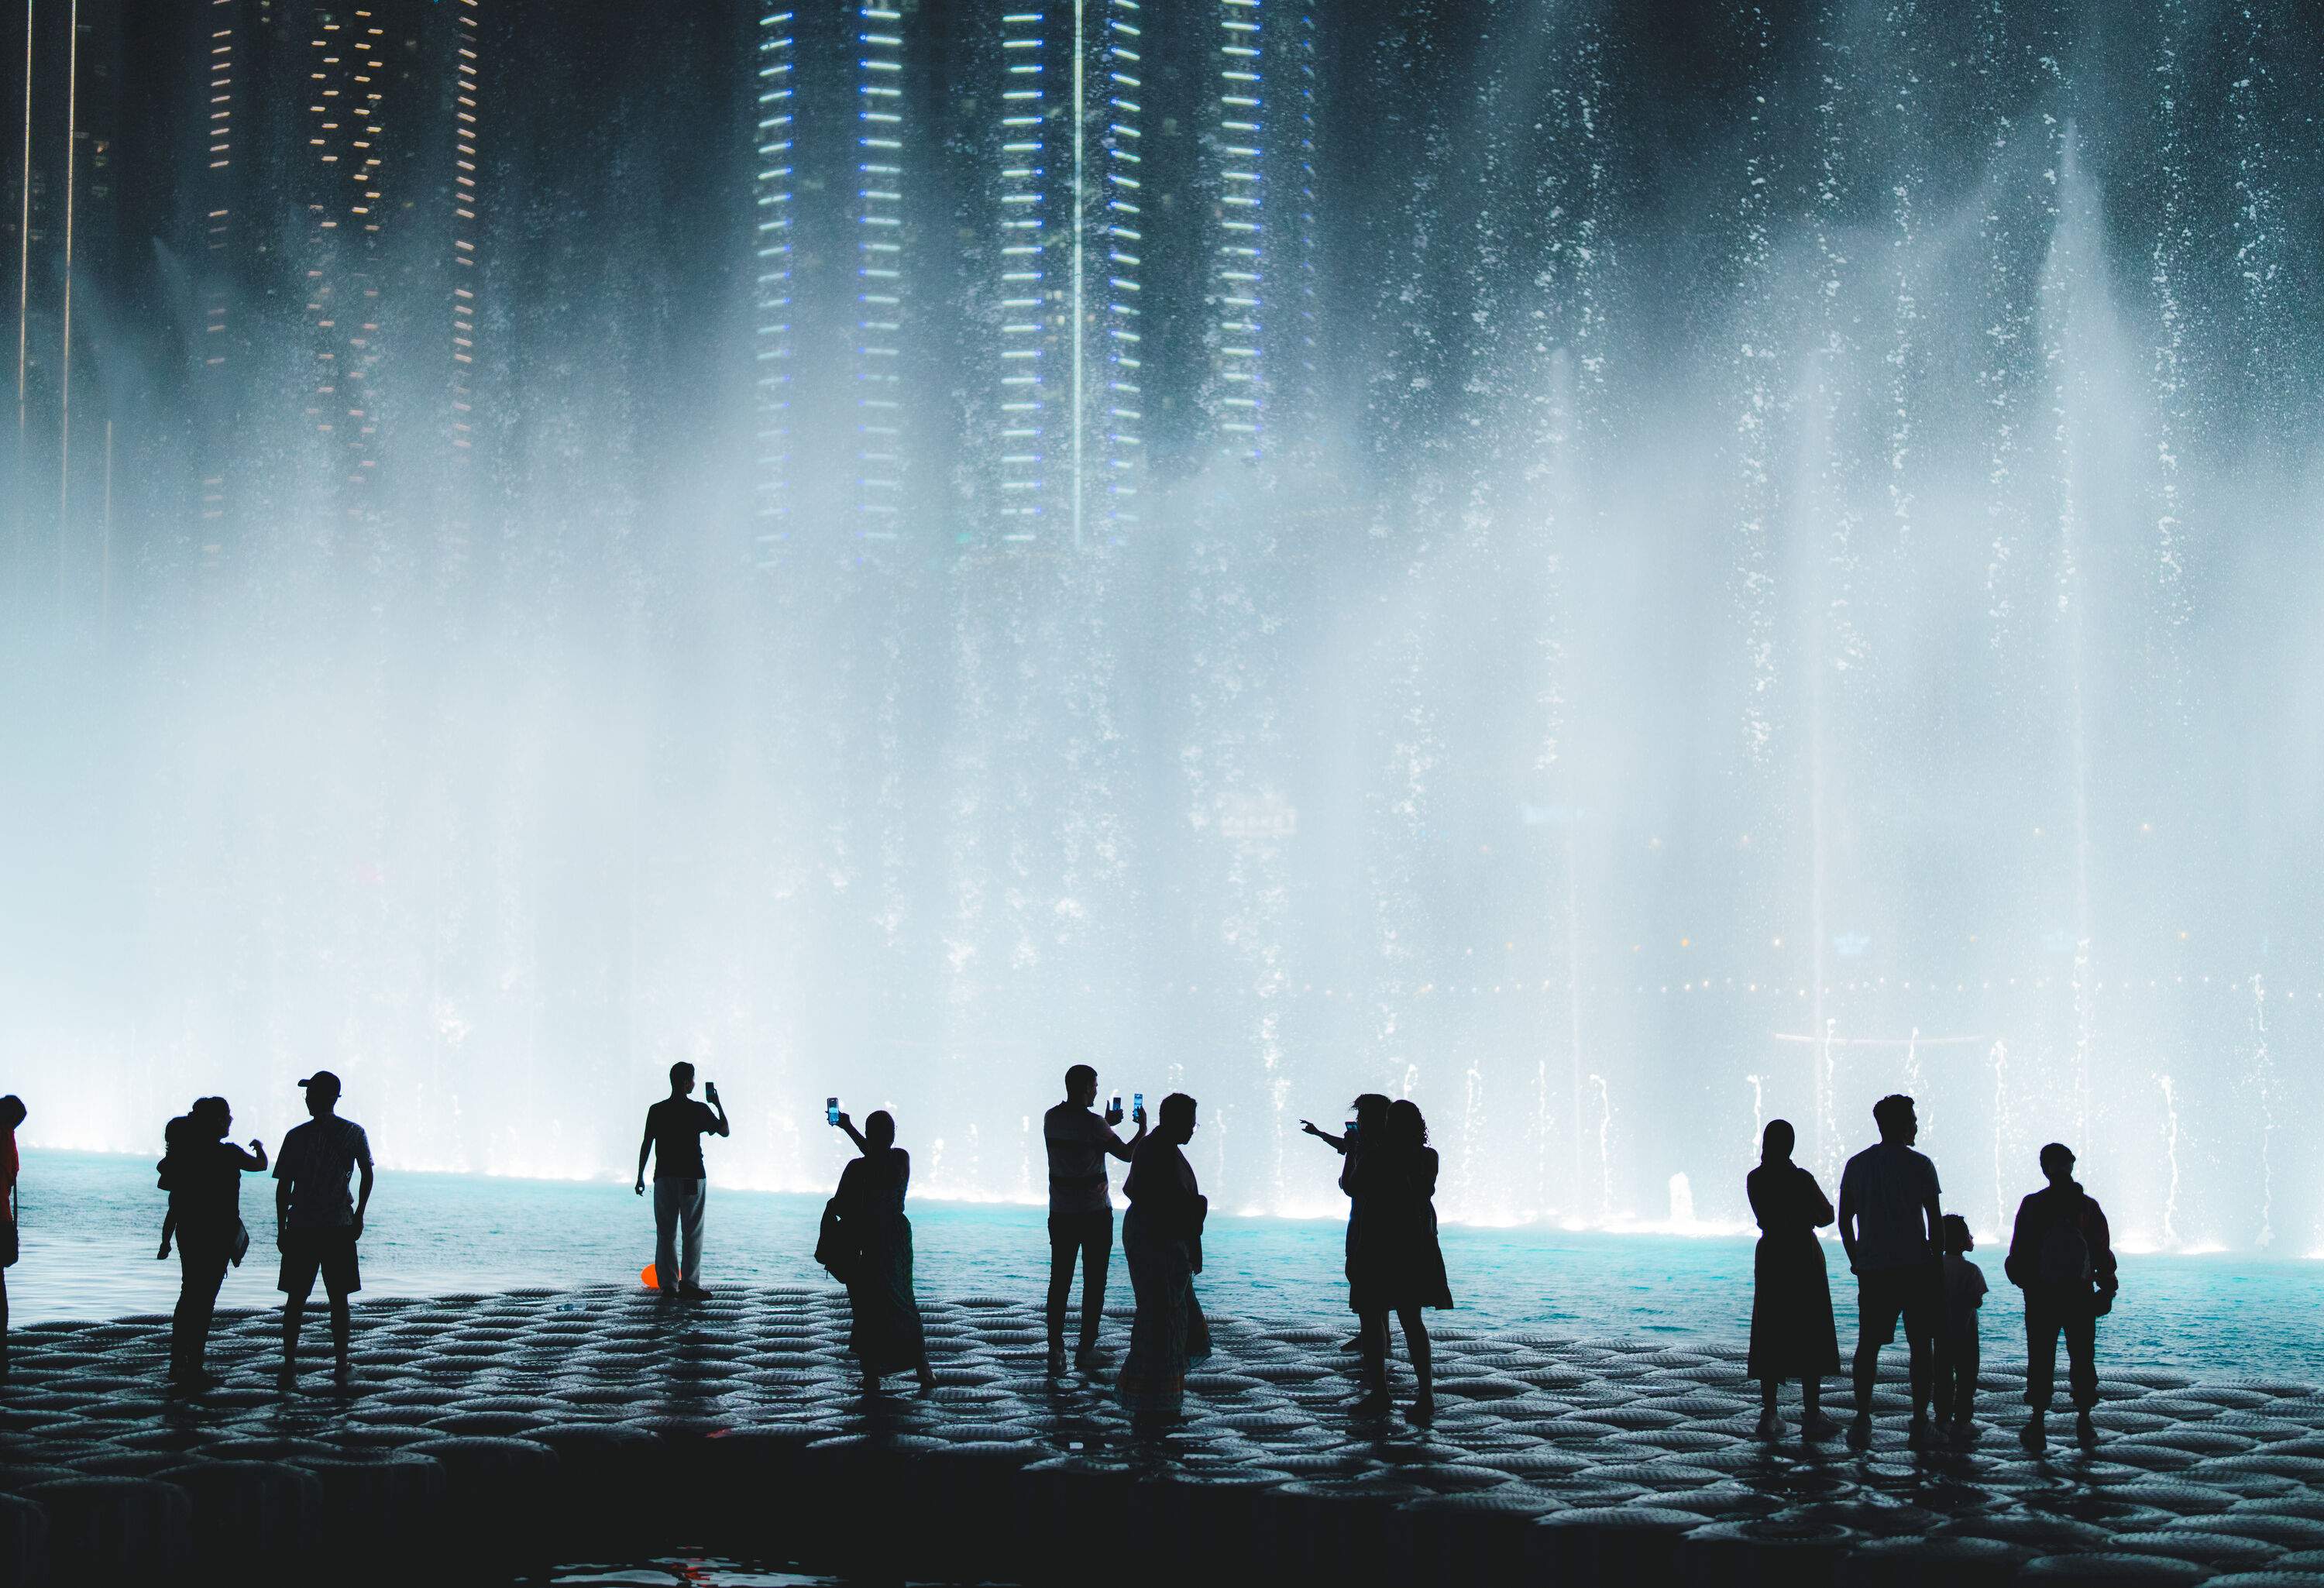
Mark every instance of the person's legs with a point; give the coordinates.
(1875, 1325)
(1065, 1244)
(1968, 1360)
(690, 1226)
(1814, 1423)
(300, 1260)
(200, 1272)
(181, 1319)
(2081, 1332)
(3, 1326)
(1371, 1328)
(341, 1279)
(666, 1204)
(2041, 1355)
(1771, 1422)
(1923, 1309)
(1097, 1250)
(1417, 1344)
(1867, 1371)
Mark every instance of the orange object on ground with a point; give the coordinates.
(647, 1274)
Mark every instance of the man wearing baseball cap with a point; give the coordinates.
(317, 1224)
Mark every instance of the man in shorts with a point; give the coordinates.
(317, 1223)
(1891, 1225)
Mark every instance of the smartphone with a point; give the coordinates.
(831, 1110)
(1352, 1130)
(1138, 1104)
(1113, 1111)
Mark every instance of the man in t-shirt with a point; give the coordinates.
(1890, 1224)
(1081, 1209)
(317, 1223)
(674, 1131)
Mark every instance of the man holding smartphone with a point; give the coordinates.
(1081, 1208)
(674, 1131)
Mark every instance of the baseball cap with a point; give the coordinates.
(322, 1081)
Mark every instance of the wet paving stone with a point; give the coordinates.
(574, 1419)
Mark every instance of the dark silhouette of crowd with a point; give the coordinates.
(1909, 1258)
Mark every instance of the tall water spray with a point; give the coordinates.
(1615, 580)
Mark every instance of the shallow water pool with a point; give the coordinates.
(92, 1221)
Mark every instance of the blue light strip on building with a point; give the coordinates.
(877, 213)
(770, 491)
(1122, 405)
(1238, 368)
(1027, 415)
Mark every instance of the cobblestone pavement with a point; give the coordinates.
(498, 1432)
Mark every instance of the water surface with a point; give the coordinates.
(92, 1222)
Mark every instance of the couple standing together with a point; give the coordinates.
(1161, 1238)
(1395, 1265)
(1909, 1263)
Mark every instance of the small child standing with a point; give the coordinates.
(1957, 1353)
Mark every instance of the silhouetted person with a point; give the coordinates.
(11, 1115)
(173, 1139)
(886, 1336)
(674, 1131)
(1792, 1335)
(1888, 1222)
(1371, 1111)
(1162, 1237)
(2061, 1256)
(1394, 1263)
(205, 1173)
(1081, 1209)
(1958, 1356)
(317, 1224)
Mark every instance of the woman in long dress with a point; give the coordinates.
(886, 1336)
(1792, 1331)
(1394, 1263)
(1162, 1237)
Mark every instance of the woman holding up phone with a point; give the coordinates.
(1394, 1264)
(1371, 1109)
(874, 1248)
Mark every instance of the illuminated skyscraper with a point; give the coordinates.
(63, 213)
(850, 161)
(350, 193)
(1259, 153)
(312, 177)
(1069, 153)
(467, 199)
